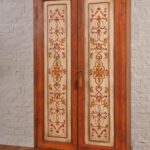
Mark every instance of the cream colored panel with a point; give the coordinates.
(57, 71)
(99, 72)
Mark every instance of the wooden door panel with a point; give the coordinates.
(56, 74)
(98, 59)
(101, 124)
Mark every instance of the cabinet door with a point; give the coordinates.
(55, 23)
(82, 74)
(102, 100)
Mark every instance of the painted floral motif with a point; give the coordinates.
(57, 72)
(98, 73)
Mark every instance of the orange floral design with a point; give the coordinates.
(99, 72)
(57, 71)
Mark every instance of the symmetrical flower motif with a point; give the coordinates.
(98, 72)
(99, 127)
(57, 71)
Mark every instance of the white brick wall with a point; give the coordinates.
(141, 74)
(16, 73)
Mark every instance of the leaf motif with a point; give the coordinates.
(92, 103)
(63, 100)
(62, 41)
(50, 41)
(50, 55)
(105, 103)
(51, 100)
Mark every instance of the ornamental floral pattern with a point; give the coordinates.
(99, 74)
(57, 72)
(58, 87)
(98, 78)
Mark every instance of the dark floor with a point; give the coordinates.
(3, 147)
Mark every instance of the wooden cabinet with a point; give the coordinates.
(82, 74)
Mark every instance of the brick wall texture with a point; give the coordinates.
(16, 73)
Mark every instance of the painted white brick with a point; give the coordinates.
(16, 73)
(140, 74)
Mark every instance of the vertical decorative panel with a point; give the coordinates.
(57, 71)
(99, 72)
